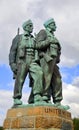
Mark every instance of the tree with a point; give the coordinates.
(76, 123)
(1, 128)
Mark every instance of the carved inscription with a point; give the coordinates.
(52, 111)
(48, 110)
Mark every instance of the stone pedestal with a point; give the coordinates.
(38, 118)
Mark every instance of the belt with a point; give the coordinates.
(30, 52)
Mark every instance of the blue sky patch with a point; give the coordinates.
(69, 73)
(5, 77)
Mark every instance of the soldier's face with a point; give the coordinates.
(29, 28)
(52, 26)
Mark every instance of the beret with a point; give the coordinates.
(48, 22)
(26, 23)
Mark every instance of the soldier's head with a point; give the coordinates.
(28, 26)
(50, 23)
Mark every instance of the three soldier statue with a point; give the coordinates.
(38, 56)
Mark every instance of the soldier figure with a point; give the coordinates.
(49, 58)
(49, 50)
(22, 61)
(48, 47)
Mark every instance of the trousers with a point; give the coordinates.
(24, 67)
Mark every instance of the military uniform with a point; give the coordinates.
(49, 56)
(49, 51)
(25, 53)
(14, 53)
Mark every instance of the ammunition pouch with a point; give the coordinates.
(53, 50)
(22, 53)
(45, 56)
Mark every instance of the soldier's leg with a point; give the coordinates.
(47, 68)
(31, 97)
(21, 75)
(57, 90)
(37, 76)
(56, 86)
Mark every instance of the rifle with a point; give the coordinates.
(18, 30)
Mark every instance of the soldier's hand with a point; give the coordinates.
(34, 45)
(54, 40)
(14, 67)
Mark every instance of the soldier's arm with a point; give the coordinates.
(57, 42)
(59, 51)
(42, 40)
(13, 51)
(12, 55)
(22, 50)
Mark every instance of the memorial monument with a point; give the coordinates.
(38, 56)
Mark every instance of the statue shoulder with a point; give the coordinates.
(42, 35)
(15, 43)
(16, 39)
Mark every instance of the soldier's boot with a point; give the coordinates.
(17, 101)
(59, 105)
(37, 98)
(46, 99)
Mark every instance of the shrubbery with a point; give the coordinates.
(76, 123)
(1, 128)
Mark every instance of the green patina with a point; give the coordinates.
(39, 57)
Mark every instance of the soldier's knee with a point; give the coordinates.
(40, 73)
(21, 81)
(59, 81)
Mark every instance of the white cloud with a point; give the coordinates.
(14, 13)
(66, 61)
(76, 82)
(6, 102)
(71, 98)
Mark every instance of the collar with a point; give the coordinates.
(26, 33)
(49, 32)
(27, 36)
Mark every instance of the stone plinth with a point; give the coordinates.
(38, 118)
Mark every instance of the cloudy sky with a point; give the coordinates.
(66, 14)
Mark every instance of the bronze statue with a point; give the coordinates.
(39, 57)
